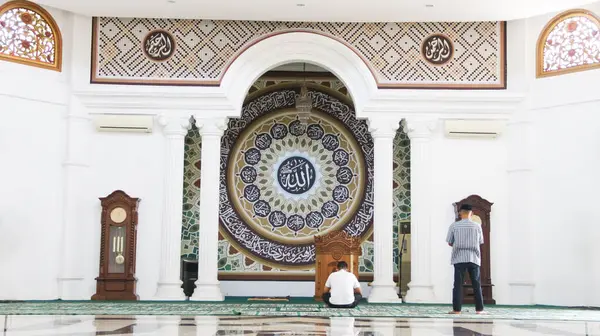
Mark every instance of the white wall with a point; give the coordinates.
(460, 168)
(134, 164)
(32, 144)
(567, 146)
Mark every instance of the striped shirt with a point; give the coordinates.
(465, 236)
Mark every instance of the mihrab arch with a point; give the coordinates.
(299, 47)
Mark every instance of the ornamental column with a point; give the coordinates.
(383, 287)
(419, 131)
(207, 285)
(169, 284)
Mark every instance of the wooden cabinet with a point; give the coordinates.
(332, 248)
(481, 214)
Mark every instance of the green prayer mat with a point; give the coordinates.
(301, 308)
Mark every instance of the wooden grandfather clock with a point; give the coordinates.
(332, 248)
(481, 215)
(117, 248)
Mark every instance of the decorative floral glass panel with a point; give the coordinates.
(572, 41)
(28, 35)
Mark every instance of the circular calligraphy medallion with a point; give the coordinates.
(262, 208)
(341, 194)
(437, 49)
(279, 131)
(263, 141)
(277, 219)
(284, 181)
(330, 209)
(296, 175)
(331, 142)
(314, 220)
(341, 157)
(315, 131)
(159, 45)
(251, 193)
(248, 174)
(297, 128)
(252, 156)
(344, 175)
(295, 223)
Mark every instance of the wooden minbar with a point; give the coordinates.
(117, 248)
(332, 248)
(481, 214)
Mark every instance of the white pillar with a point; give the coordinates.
(521, 206)
(383, 287)
(169, 284)
(207, 285)
(419, 131)
(78, 203)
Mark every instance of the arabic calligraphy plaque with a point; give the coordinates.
(284, 181)
(296, 175)
(437, 49)
(159, 45)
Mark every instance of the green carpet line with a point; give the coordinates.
(290, 309)
(298, 300)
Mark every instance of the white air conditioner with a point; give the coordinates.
(466, 128)
(124, 123)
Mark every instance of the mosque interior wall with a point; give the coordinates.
(34, 144)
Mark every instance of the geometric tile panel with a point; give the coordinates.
(230, 259)
(191, 195)
(395, 52)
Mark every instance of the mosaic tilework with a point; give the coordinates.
(191, 195)
(291, 310)
(393, 51)
(230, 258)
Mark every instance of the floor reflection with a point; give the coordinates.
(285, 326)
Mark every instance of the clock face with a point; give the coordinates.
(476, 219)
(118, 215)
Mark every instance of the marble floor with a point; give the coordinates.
(286, 326)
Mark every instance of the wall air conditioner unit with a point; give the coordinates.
(466, 128)
(124, 123)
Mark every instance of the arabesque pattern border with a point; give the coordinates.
(392, 51)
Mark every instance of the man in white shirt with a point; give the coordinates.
(342, 289)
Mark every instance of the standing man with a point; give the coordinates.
(466, 237)
(342, 289)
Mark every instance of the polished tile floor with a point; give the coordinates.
(285, 326)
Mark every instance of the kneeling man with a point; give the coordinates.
(342, 289)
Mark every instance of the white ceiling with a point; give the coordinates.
(321, 10)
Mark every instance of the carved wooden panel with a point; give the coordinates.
(332, 248)
(481, 214)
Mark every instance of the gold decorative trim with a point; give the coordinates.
(541, 43)
(57, 66)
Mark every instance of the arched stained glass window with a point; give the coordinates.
(569, 43)
(29, 35)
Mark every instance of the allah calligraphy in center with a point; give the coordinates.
(296, 175)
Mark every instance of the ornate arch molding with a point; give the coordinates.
(29, 35)
(552, 57)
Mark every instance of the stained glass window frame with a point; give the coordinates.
(49, 20)
(548, 29)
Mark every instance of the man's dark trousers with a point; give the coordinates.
(327, 296)
(459, 276)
